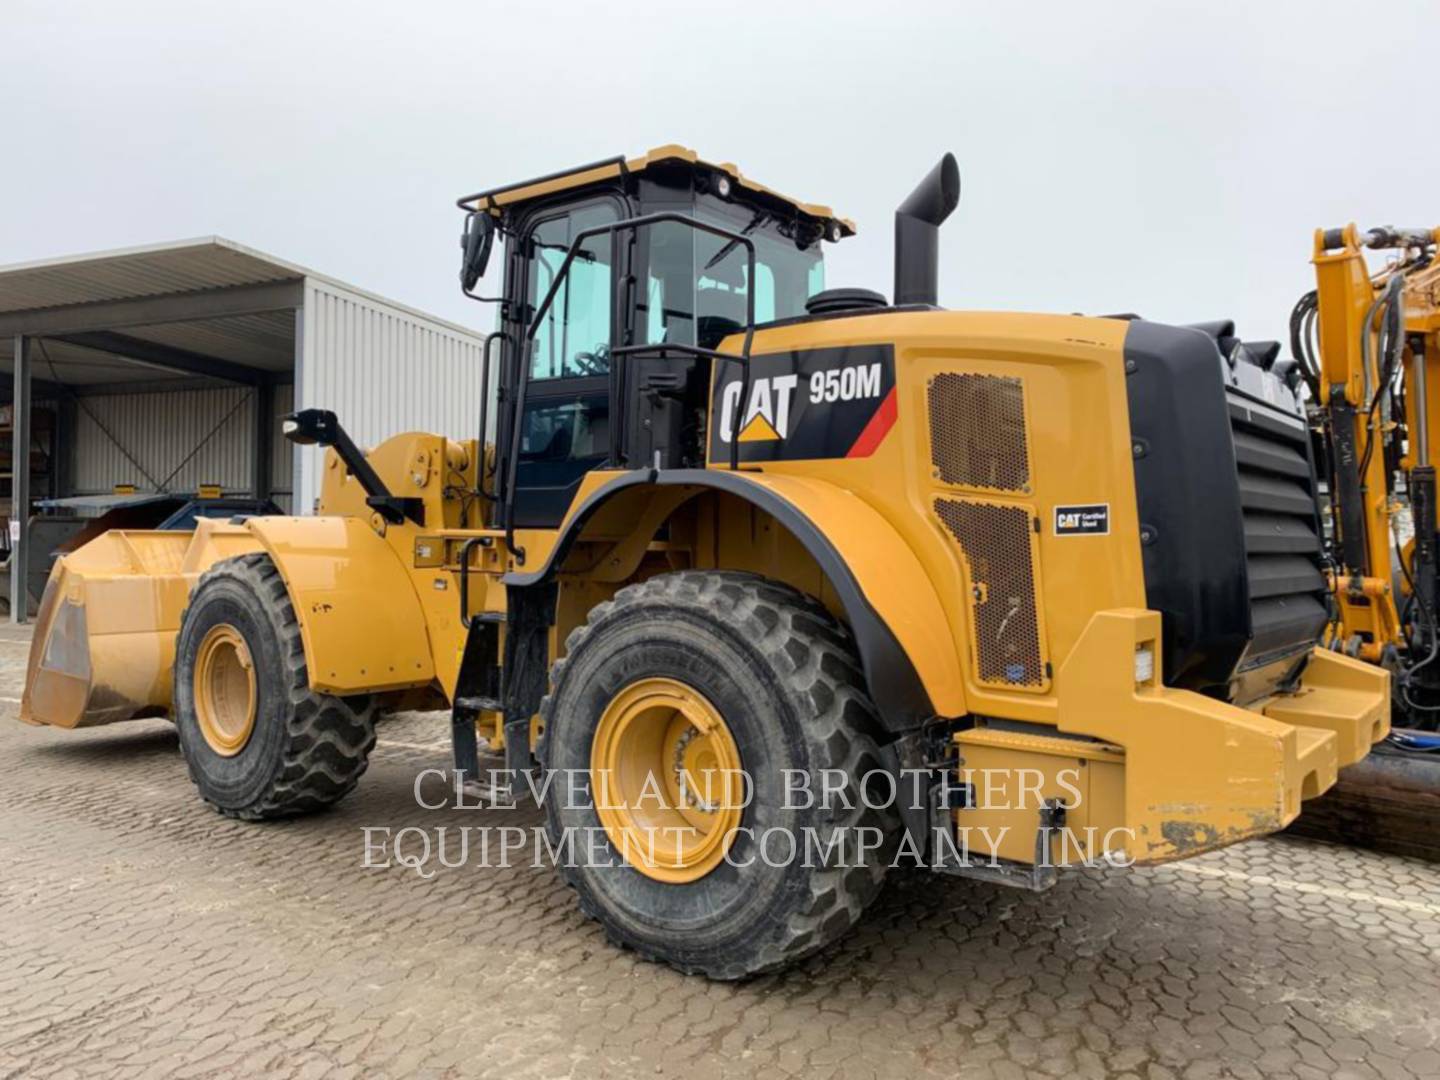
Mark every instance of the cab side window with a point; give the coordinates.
(573, 340)
(565, 427)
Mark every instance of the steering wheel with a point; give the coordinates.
(593, 363)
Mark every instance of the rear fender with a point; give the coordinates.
(908, 653)
(911, 660)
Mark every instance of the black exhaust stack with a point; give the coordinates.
(917, 234)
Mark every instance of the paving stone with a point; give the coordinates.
(143, 934)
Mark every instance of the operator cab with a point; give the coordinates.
(615, 371)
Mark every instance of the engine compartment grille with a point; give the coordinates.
(977, 431)
(998, 543)
(1283, 548)
(1229, 530)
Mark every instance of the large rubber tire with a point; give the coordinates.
(784, 675)
(306, 750)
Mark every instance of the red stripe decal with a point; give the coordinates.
(876, 430)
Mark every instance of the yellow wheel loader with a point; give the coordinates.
(788, 583)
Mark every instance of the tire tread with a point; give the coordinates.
(815, 656)
(328, 738)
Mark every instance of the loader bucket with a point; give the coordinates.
(104, 642)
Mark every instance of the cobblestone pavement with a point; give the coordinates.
(143, 935)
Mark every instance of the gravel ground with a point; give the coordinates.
(144, 935)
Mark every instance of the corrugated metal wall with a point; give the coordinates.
(177, 440)
(383, 371)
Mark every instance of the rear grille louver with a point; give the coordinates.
(1282, 543)
(1229, 532)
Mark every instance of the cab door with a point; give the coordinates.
(565, 427)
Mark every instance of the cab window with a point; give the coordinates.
(565, 426)
(573, 340)
(697, 284)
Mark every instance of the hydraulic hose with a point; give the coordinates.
(1391, 343)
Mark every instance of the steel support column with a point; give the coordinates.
(300, 399)
(264, 434)
(20, 484)
(67, 415)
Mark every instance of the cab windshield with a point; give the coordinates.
(697, 284)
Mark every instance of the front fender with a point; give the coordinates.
(910, 658)
(362, 625)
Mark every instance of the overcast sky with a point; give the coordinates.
(1169, 159)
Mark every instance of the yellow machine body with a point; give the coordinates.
(1165, 773)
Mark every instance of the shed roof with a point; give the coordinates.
(208, 297)
(209, 262)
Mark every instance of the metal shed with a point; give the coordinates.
(169, 366)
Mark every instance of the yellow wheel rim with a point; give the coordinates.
(666, 779)
(225, 697)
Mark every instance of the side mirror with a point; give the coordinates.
(475, 242)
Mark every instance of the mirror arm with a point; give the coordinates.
(476, 242)
(486, 300)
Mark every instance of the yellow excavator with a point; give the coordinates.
(1366, 342)
(763, 586)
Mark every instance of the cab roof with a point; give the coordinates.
(495, 199)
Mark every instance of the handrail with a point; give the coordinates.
(523, 380)
(485, 413)
(465, 549)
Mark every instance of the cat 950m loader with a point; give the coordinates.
(1050, 580)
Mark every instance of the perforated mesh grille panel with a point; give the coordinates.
(977, 431)
(996, 541)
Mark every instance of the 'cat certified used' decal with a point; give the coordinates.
(1092, 519)
(807, 404)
